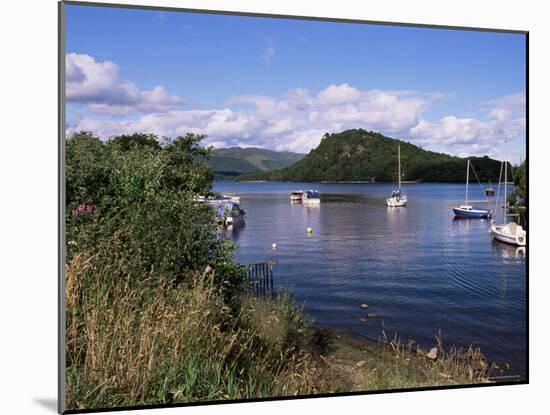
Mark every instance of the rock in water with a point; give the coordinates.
(364, 306)
(432, 354)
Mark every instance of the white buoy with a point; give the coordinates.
(309, 230)
(274, 246)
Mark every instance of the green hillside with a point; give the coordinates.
(359, 155)
(228, 163)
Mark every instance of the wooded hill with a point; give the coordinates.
(359, 155)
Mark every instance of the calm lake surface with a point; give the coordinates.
(418, 268)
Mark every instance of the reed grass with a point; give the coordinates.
(134, 343)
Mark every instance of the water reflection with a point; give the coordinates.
(509, 251)
(235, 230)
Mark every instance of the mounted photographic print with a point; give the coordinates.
(260, 207)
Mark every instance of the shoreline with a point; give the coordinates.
(339, 182)
(356, 343)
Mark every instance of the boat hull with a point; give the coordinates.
(311, 201)
(500, 233)
(479, 214)
(233, 220)
(394, 202)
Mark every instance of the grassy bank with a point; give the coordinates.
(140, 344)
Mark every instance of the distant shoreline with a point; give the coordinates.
(343, 182)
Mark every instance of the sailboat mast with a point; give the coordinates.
(399, 164)
(505, 181)
(467, 180)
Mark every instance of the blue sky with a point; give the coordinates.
(280, 84)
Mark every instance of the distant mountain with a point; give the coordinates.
(228, 163)
(359, 155)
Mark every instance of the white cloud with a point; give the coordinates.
(269, 51)
(98, 85)
(338, 94)
(505, 118)
(294, 121)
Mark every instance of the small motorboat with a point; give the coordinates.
(217, 199)
(311, 197)
(232, 197)
(228, 212)
(296, 196)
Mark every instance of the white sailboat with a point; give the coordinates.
(510, 233)
(397, 198)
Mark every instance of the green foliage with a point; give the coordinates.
(520, 181)
(128, 142)
(144, 194)
(359, 155)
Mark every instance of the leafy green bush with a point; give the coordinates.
(145, 195)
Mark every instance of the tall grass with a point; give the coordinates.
(134, 343)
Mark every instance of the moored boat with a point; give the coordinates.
(511, 232)
(469, 211)
(311, 197)
(296, 196)
(490, 191)
(229, 212)
(397, 198)
(466, 210)
(216, 199)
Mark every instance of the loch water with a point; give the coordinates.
(418, 268)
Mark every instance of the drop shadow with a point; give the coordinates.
(48, 403)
